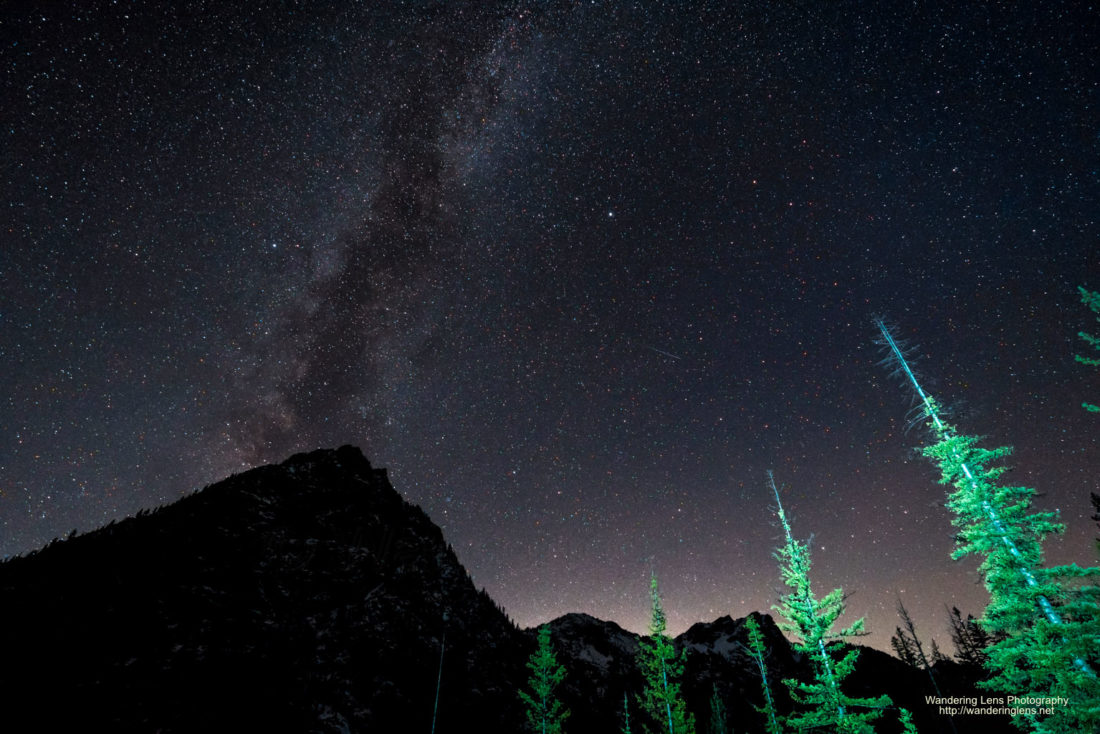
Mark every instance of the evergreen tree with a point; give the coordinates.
(907, 725)
(662, 668)
(1092, 300)
(811, 621)
(545, 712)
(718, 724)
(908, 640)
(1047, 619)
(903, 648)
(1050, 618)
(969, 638)
(756, 649)
(937, 656)
(626, 716)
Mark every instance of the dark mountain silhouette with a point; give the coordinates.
(309, 596)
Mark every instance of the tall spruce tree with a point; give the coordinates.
(811, 621)
(1092, 300)
(545, 713)
(662, 669)
(758, 652)
(1050, 618)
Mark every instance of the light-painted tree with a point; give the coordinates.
(821, 702)
(662, 669)
(907, 725)
(545, 713)
(1048, 618)
(759, 652)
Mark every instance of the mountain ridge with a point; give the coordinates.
(310, 596)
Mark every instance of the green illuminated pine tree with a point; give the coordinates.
(907, 725)
(1092, 300)
(1048, 618)
(545, 712)
(662, 669)
(757, 650)
(823, 703)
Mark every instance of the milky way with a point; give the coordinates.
(578, 274)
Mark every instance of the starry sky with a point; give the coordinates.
(577, 273)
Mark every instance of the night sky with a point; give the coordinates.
(577, 274)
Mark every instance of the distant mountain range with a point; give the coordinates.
(310, 597)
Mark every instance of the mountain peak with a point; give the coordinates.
(348, 458)
(289, 594)
(310, 596)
